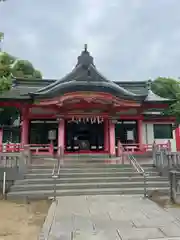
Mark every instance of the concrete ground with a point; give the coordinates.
(109, 218)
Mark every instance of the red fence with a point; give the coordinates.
(48, 149)
(42, 148)
(11, 147)
(142, 148)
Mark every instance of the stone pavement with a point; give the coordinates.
(109, 218)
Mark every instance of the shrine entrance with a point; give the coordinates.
(84, 135)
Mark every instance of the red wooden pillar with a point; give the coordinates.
(140, 134)
(106, 135)
(61, 136)
(24, 125)
(119, 148)
(112, 149)
(177, 134)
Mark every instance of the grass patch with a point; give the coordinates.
(22, 220)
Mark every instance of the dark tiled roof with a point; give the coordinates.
(84, 77)
(137, 87)
(22, 87)
(152, 97)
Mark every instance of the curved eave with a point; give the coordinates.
(167, 101)
(154, 98)
(26, 99)
(34, 81)
(92, 67)
(55, 84)
(73, 86)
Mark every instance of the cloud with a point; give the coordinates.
(131, 40)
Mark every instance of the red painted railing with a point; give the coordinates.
(49, 149)
(11, 147)
(141, 148)
(41, 148)
(35, 148)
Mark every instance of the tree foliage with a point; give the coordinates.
(166, 87)
(10, 67)
(1, 36)
(169, 88)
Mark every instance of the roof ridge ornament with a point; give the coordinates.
(149, 83)
(85, 59)
(85, 47)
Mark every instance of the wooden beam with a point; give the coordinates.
(146, 106)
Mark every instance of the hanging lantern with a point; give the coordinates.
(98, 120)
(72, 120)
(75, 120)
(102, 120)
(94, 121)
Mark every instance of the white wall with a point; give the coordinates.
(148, 135)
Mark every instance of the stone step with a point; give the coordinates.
(102, 164)
(86, 156)
(83, 165)
(90, 179)
(90, 169)
(93, 161)
(88, 174)
(96, 162)
(72, 164)
(114, 160)
(80, 170)
(43, 194)
(42, 166)
(68, 186)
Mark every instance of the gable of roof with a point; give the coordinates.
(84, 77)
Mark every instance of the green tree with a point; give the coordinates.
(10, 67)
(1, 36)
(166, 87)
(169, 88)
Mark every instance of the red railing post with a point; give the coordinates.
(169, 145)
(118, 148)
(51, 148)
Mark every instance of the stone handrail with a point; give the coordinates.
(165, 160)
(138, 168)
(56, 169)
(15, 163)
(168, 164)
(174, 178)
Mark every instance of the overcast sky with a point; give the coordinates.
(129, 39)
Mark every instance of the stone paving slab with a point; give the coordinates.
(112, 218)
(174, 238)
(139, 233)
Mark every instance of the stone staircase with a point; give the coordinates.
(86, 177)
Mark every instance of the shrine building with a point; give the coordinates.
(84, 112)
